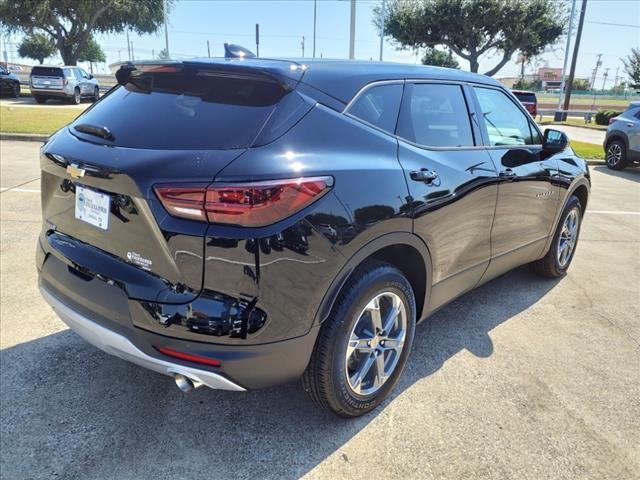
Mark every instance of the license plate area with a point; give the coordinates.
(92, 207)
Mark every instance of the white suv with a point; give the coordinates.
(71, 83)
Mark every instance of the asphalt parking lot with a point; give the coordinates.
(523, 378)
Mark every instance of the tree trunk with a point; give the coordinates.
(68, 53)
(474, 65)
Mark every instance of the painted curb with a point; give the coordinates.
(25, 137)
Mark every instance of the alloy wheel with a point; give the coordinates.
(614, 154)
(568, 237)
(376, 343)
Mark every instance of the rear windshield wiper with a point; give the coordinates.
(98, 131)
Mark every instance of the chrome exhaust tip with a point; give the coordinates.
(184, 383)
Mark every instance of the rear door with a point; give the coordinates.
(528, 193)
(452, 183)
(47, 78)
(179, 128)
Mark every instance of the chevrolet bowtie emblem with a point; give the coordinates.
(75, 171)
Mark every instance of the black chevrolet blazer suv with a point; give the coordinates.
(244, 223)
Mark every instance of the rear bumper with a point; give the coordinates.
(119, 346)
(45, 92)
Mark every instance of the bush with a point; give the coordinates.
(603, 116)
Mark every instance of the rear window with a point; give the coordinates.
(526, 97)
(189, 110)
(47, 71)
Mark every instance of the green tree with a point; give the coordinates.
(580, 84)
(632, 67)
(70, 23)
(163, 54)
(433, 56)
(92, 53)
(472, 28)
(523, 84)
(36, 46)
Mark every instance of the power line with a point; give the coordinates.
(616, 24)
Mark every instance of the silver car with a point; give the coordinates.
(68, 82)
(622, 142)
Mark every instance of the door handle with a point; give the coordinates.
(630, 124)
(508, 173)
(424, 175)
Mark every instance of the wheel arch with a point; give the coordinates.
(403, 250)
(616, 135)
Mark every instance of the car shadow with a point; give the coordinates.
(72, 411)
(632, 172)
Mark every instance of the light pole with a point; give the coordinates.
(352, 32)
(166, 30)
(383, 14)
(315, 11)
(558, 115)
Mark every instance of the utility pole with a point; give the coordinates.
(208, 50)
(352, 32)
(574, 59)
(132, 55)
(166, 30)
(302, 45)
(383, 14)
(315, 11)
(119, 56)
(128, 46)
(523, 59)
(604, 78)
(257, 39)
(558, 115)
(594, 74)
(615, 82)
(153, 54)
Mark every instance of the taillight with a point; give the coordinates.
(65, 81)
(254, 204)
(189, 357)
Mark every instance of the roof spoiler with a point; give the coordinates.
(288, 81)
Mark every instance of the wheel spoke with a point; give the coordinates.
(374, 311)
(391, 318)
(381, 376)
(357, 343)
(394, 343)
(361, 373)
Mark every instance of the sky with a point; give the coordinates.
(612, 28)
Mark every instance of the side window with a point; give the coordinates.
(435, 115)
(535, 136)
(78, 73)
(68, 72)
(84, 73)
(379, 106)
(506, 123)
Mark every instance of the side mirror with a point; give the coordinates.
(554, 140)
(90, 76)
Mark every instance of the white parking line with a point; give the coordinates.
(21, 190)
(613, 212)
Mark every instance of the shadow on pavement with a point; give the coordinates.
(71, 411)
(631, 172)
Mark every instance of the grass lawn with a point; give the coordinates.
(588, 101)
(588, 150)
(36, 119)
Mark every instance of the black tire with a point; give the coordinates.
(77, 98)
(616, 155)
(550, 266)
(39, 99)
(325, 379)
(96, 94)
(16, 90)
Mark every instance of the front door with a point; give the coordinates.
(452, 184)
(527, 193)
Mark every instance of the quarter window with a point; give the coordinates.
(379, 106)
(506, 124)
(435, 115)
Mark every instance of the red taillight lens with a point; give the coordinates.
(246, 204)
(188, 357)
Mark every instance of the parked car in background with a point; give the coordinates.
(528, 100)
(622, 141)
(244, 223)
(9, 83)
(69, 83)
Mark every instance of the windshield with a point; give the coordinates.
(188, 110)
